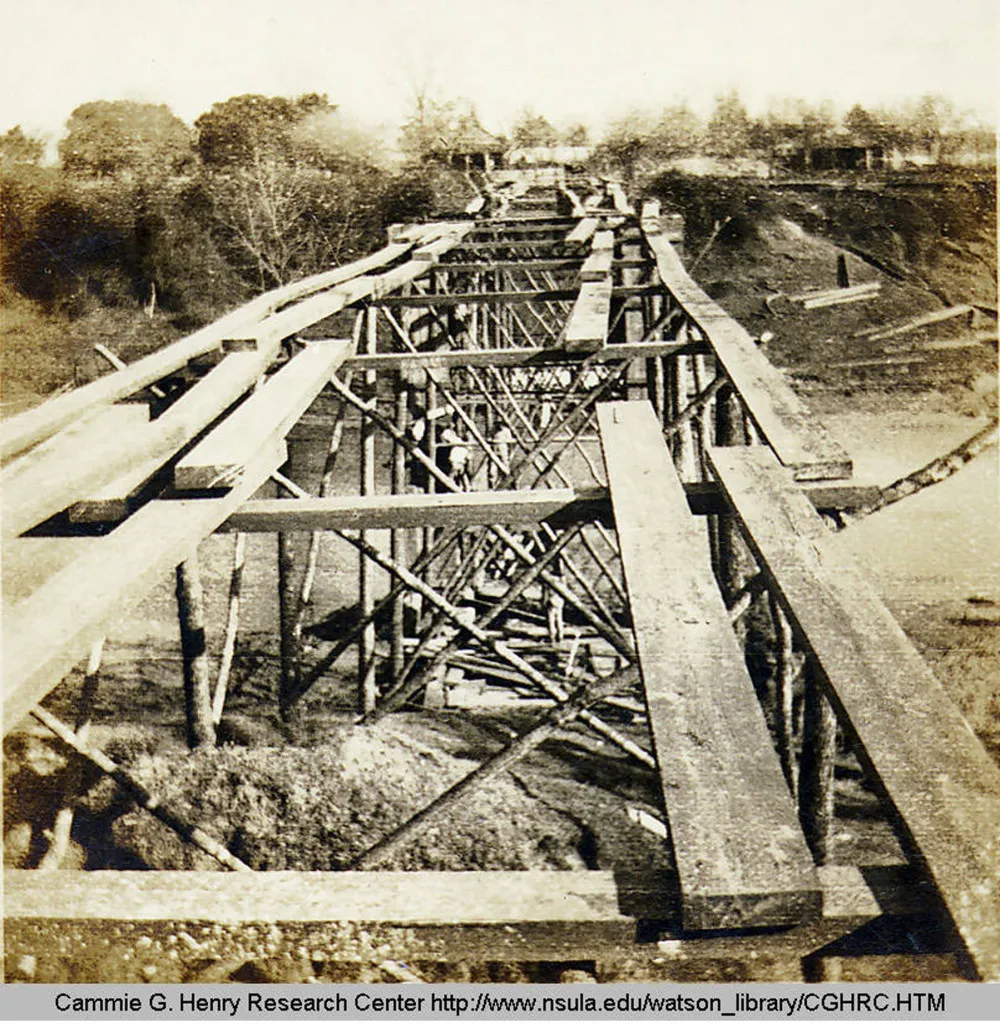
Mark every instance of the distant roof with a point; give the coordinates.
(472, 137)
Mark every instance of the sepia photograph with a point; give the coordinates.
(499, 493)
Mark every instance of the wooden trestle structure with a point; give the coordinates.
(580, 421)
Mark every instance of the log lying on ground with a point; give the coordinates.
(905, 326)
(936, 471)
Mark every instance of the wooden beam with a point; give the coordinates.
(604, 241)
(598, 265)
(495, 915)
(139, 459)
(22, 431)
(587, 326)
(404, 511)
(402, 897)
(582, 232)
(799, 441)
(222, 457)
(68, 465)
(943, 786)
(450, 358)
(741, 857)
(53, 627)
(443, 299)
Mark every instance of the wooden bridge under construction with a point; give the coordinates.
(569, 426)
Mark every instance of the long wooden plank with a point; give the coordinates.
(22, 431)
(221, 458)
(582, 232)
(798, 440)
(597, 266)
(385, 511)
(46, 480)
(943, 785)
(181, 423)
(587, 327)
(401, 897)
(566, 916)
(52, 629)
(741, 858)
(450, 358)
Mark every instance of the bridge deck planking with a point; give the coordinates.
(741, 857)
(28, 428)
(582, 231)
(943, 785)
(51, 630)
(223, 385)
(797, 439)
(221, 457)
(46, 479)
(586, 328)
(397, 511)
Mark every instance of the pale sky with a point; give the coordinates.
(571, 60)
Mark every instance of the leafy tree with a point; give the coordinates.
(930, 120)
(677, 132)
(328, 140)
(862, 125)
(627, 140)
(576, 135)
(435, 128)
(243, 129)
(532, 130)
(113, 136)
(728, 130)
(18, 148)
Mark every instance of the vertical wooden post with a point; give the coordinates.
(685, 437)
(197, 685)
(367, 692)
(398, 537)
(726, 426)
(784, 676)
(819, 745)
(288, 604)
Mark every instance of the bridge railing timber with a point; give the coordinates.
(540, 403)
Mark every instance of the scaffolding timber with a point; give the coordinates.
(562, 408)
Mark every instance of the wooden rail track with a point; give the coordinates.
(569, 425)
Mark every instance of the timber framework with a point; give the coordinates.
(573, 431)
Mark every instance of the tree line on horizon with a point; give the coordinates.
(144, 209)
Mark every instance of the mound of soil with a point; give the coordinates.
(319, 807)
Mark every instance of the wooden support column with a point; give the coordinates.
(197, 685)
(685, 457)
(288, 603)
(634, 330)
(784, 678)
(399, 536)
(819, 747)
(367, 692)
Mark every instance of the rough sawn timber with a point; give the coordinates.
(798, 440)
(941, 783)
(220, 459)
(741, 857)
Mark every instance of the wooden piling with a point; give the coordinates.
(398, 537)
(367, 691)
(819, 746)
(784, 678)
(197, 685)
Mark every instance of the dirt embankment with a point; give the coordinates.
(924, 246)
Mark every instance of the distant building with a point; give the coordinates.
(474, 148)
